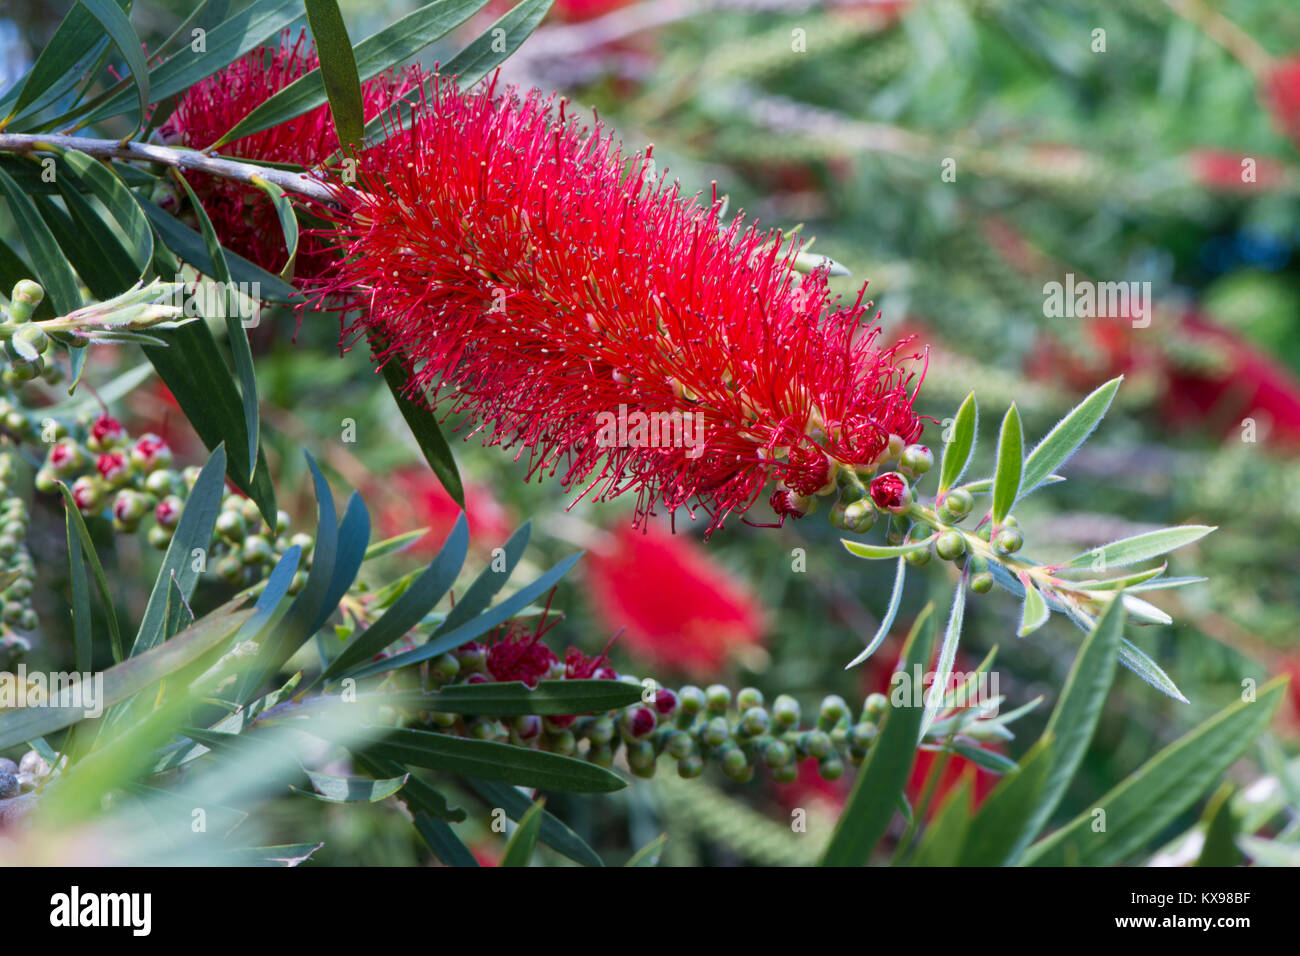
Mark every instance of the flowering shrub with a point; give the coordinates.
(517, 273)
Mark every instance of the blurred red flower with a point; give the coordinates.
(413, 498)
(678, 607)
(1281, 94)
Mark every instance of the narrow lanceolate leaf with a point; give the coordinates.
(496, 761)
(1004, 816)
(52, 268)
(124, 680)
(649, 854)
(519, 851)
(118, 27)
(946, 835)
(333, 789)
(1140, 547)
(1006, 479)
(1121, 583)
(88, 548)
(288, 221)
(1075, 717)
(80, 587)
(1035, 612)
(877, 551)
(1139, 663)
(1144, 611)
(1161, 584)
(187, 552)
(427, 432)
(387, 48)
(553, 831)
(886, 622)
(947, 657)
(1146, 802)
(957, 449)
(98, 179)
(442, 840)
(235, 330)
(1066, 437)
(884, 773)
(338, 68)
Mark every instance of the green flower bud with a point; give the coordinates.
(719, 698)
(860, 516)
(833, 710)
(836, 516)
(716, 732)
(688, 768)
(786, 711)
(863, 735)
(679, 744)
(754, 722)
(231, 526)
(257, 550)
(749, 697)
(1008, 541)
(602, 755)
(982, 583)
(916, 460)
(691, 700)
(159, 537)
(920, 557)
(641, 758)
(736, 765)
(444, 667)
(788, 773)
(248, 508)
(230, 569)
(956, 505)
(778, 754)
(128, 508)
(27, 295)
(562, 742)
(46, 482)
(163, 482)
(832, 768)
(601, 730)
(950, 545)
(297, 583)
(12, 612)
(875, 706)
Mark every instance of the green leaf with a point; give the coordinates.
(235, 330)
(387, 48)
(1067, 435)
(554, 833)
(52, 268)
(96, 178)
(76, 44)
(288, 221)
(877, 551)
(957, 451)
(947, 657)
(1161, 584)
(89, 244)
(338, 67)
(650, 854)
(1006, 479)
(519, 851)
(239, 34)
(884, 773)
(123, 681)
(428, 435)
(1148, 800)
(80, 587)
(990, 760)
(74, 519)
(1139, 663)
(332, 789)
(118, 27)
(1221, 826)
(886, 622)
(1035, 612)
(1140, 547)
(490, 580)
(490, 760)
(426, 591)
(510, 698)
(946, 835)
(476, 61)
(1004, 817)
(1074, 719)
(418, 795)
(442, 840)
(193, 532)
(396, 543)
(1120, 583)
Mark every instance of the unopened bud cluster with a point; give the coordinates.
(26, 343)
(17, 570)
(27, 774)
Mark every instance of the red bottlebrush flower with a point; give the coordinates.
(520, 656)
(889, 491)
(1281, 94)
(419, 500)
(581, 311)
(677, 607)
(578, 666)
(242, 215)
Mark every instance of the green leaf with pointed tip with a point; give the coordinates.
(1074, 719)
(331, 789)
(877, 551)
(886, 622)
(1148, 800)
(946, 835)
(1011, 462)
(957, 451)
(649, 854)
(76, 44)
(1120, 583)
(1067, 435)
(519, 851)
(1004, 816)
(338, 68)
(389, 47)
(1035, 612)
(52, 269)
(496, 761)
(96, 178)
(884, 773)
(1140, 547)
(1144, 667)
(442, 840)
(1161, 584)
(428, 434)
(73, 514)
(288, 222)
(118, 27)
(947, 657)
(553, 832)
